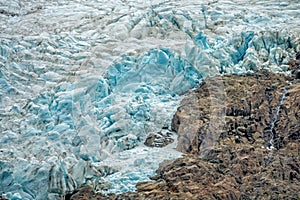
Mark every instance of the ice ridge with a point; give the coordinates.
(75, 125)
(54, 142)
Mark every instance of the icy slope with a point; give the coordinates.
(82, 83)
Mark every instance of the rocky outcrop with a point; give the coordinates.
(294, 66)
(248, 127)
(241, 136)
(244, 109)
(160, 139)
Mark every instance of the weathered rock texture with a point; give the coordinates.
(159, 139)
(241, 136)
(245, 109)
(294, 66)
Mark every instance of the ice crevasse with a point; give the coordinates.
(65, 131)
(70, 134)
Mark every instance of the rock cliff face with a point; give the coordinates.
(241, 136)
(229, 110)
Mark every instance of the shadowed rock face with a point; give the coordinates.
(241, 136)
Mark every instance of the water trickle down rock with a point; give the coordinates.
(269, 132)
(236, 163)
(245, 104)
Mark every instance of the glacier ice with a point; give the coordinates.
(87, 123)
(80, 93)
(76, 124)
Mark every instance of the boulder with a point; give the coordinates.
(159, 139)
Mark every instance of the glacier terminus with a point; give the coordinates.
(82, 83)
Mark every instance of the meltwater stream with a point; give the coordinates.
(274, 118)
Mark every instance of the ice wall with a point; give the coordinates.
(63, 130)
(83, 83)
(59, 137)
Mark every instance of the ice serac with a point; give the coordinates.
(73, 126)
(238, 160)
(65, 129)
(244, 52)
(136, 89)
(84, 81)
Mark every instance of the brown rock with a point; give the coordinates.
(294, 64)
(159, 139)
(84, 193)
(226, 127)
(242, 108)
(288, 125)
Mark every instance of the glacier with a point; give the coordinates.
(82, 83)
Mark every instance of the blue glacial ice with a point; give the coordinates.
(68, 128)
(79, 94)
(91, 130)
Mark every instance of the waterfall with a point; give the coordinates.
(270, 132)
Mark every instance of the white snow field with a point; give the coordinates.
(82, 83)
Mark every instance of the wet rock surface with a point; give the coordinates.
(241, 136)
